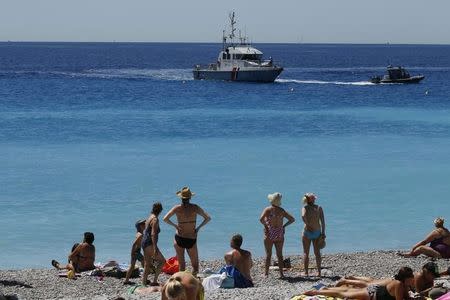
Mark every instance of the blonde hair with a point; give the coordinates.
(174, 288)
(439, 222)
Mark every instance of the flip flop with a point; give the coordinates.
(55, 264)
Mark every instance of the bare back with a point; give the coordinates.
(84, 256)
(444, 234)
(187, 219)
(241, 260)
(311, 217)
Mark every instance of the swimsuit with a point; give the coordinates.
(441, 247)
(185, 243)
(379, 292)
(147, 237)
(311, 235)
(274, 234)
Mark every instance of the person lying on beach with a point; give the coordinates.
(423, 280)
(396, 289)
(314, 219)
(182, 286)
(241, 260)
(439, 240)
(136, 250)
(152, 255)
(272, 219)
(186, 230)
(82, 257)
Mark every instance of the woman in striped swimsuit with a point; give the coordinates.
(272, 219)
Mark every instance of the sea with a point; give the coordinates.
(92, 134)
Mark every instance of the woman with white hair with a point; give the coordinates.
(272, 219)
(313, 231)
(439, 240)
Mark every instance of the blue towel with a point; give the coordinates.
(240, 281)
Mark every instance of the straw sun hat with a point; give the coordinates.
(185, 193)
(275, 199)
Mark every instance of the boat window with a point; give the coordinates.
(224, 55)
(251, 57)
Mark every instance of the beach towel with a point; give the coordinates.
(318, 297)
(240, 281)
(214, 281)
(444, 297)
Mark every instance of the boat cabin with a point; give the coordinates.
(240, 53)
(397, 73)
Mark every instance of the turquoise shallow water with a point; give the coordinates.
(88, 143)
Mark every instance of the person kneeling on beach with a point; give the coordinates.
(186, 230)
(136, 254)
(82, 256)
(241, 261)
(396, 289)
(272, 218)
(183, 286)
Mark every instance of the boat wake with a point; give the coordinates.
(360, 83)
(129, 73)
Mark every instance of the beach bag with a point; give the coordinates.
(321, 242)
(171, 266)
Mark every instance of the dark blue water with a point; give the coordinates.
(92, 133)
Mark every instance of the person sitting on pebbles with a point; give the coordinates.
(439, 240)
(82, 257)
(396, 289)
(136, 254)
(241, 260)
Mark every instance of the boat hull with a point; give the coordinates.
(413, 79)
(268, 75)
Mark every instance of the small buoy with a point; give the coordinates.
(426, 92)
(291, 89)
(184, 81)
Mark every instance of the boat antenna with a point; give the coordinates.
(224, 40)
(232, 23)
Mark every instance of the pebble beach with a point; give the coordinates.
(45, 284)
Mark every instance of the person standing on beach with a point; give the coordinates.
(152, 255)
(82, 256)
(241, 260)
(272, 219)
(186, 230)
(136, 250)
(313, 217)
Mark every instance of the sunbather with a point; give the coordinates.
(186, 228)
(152, 255)
(183, 286)
(313, 217)
(136, 254)
(272, 219)
(82, 256)
(439, 240)
(423, 280)
(241, 260)
(396, 289)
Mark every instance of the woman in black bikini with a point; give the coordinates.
(152, 256)
(396, 289)
(186, 228)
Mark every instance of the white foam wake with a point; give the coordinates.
(324, 82)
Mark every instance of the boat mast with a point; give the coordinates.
(232, 23)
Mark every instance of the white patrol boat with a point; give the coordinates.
(238, 62)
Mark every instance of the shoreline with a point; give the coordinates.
(45, 284)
